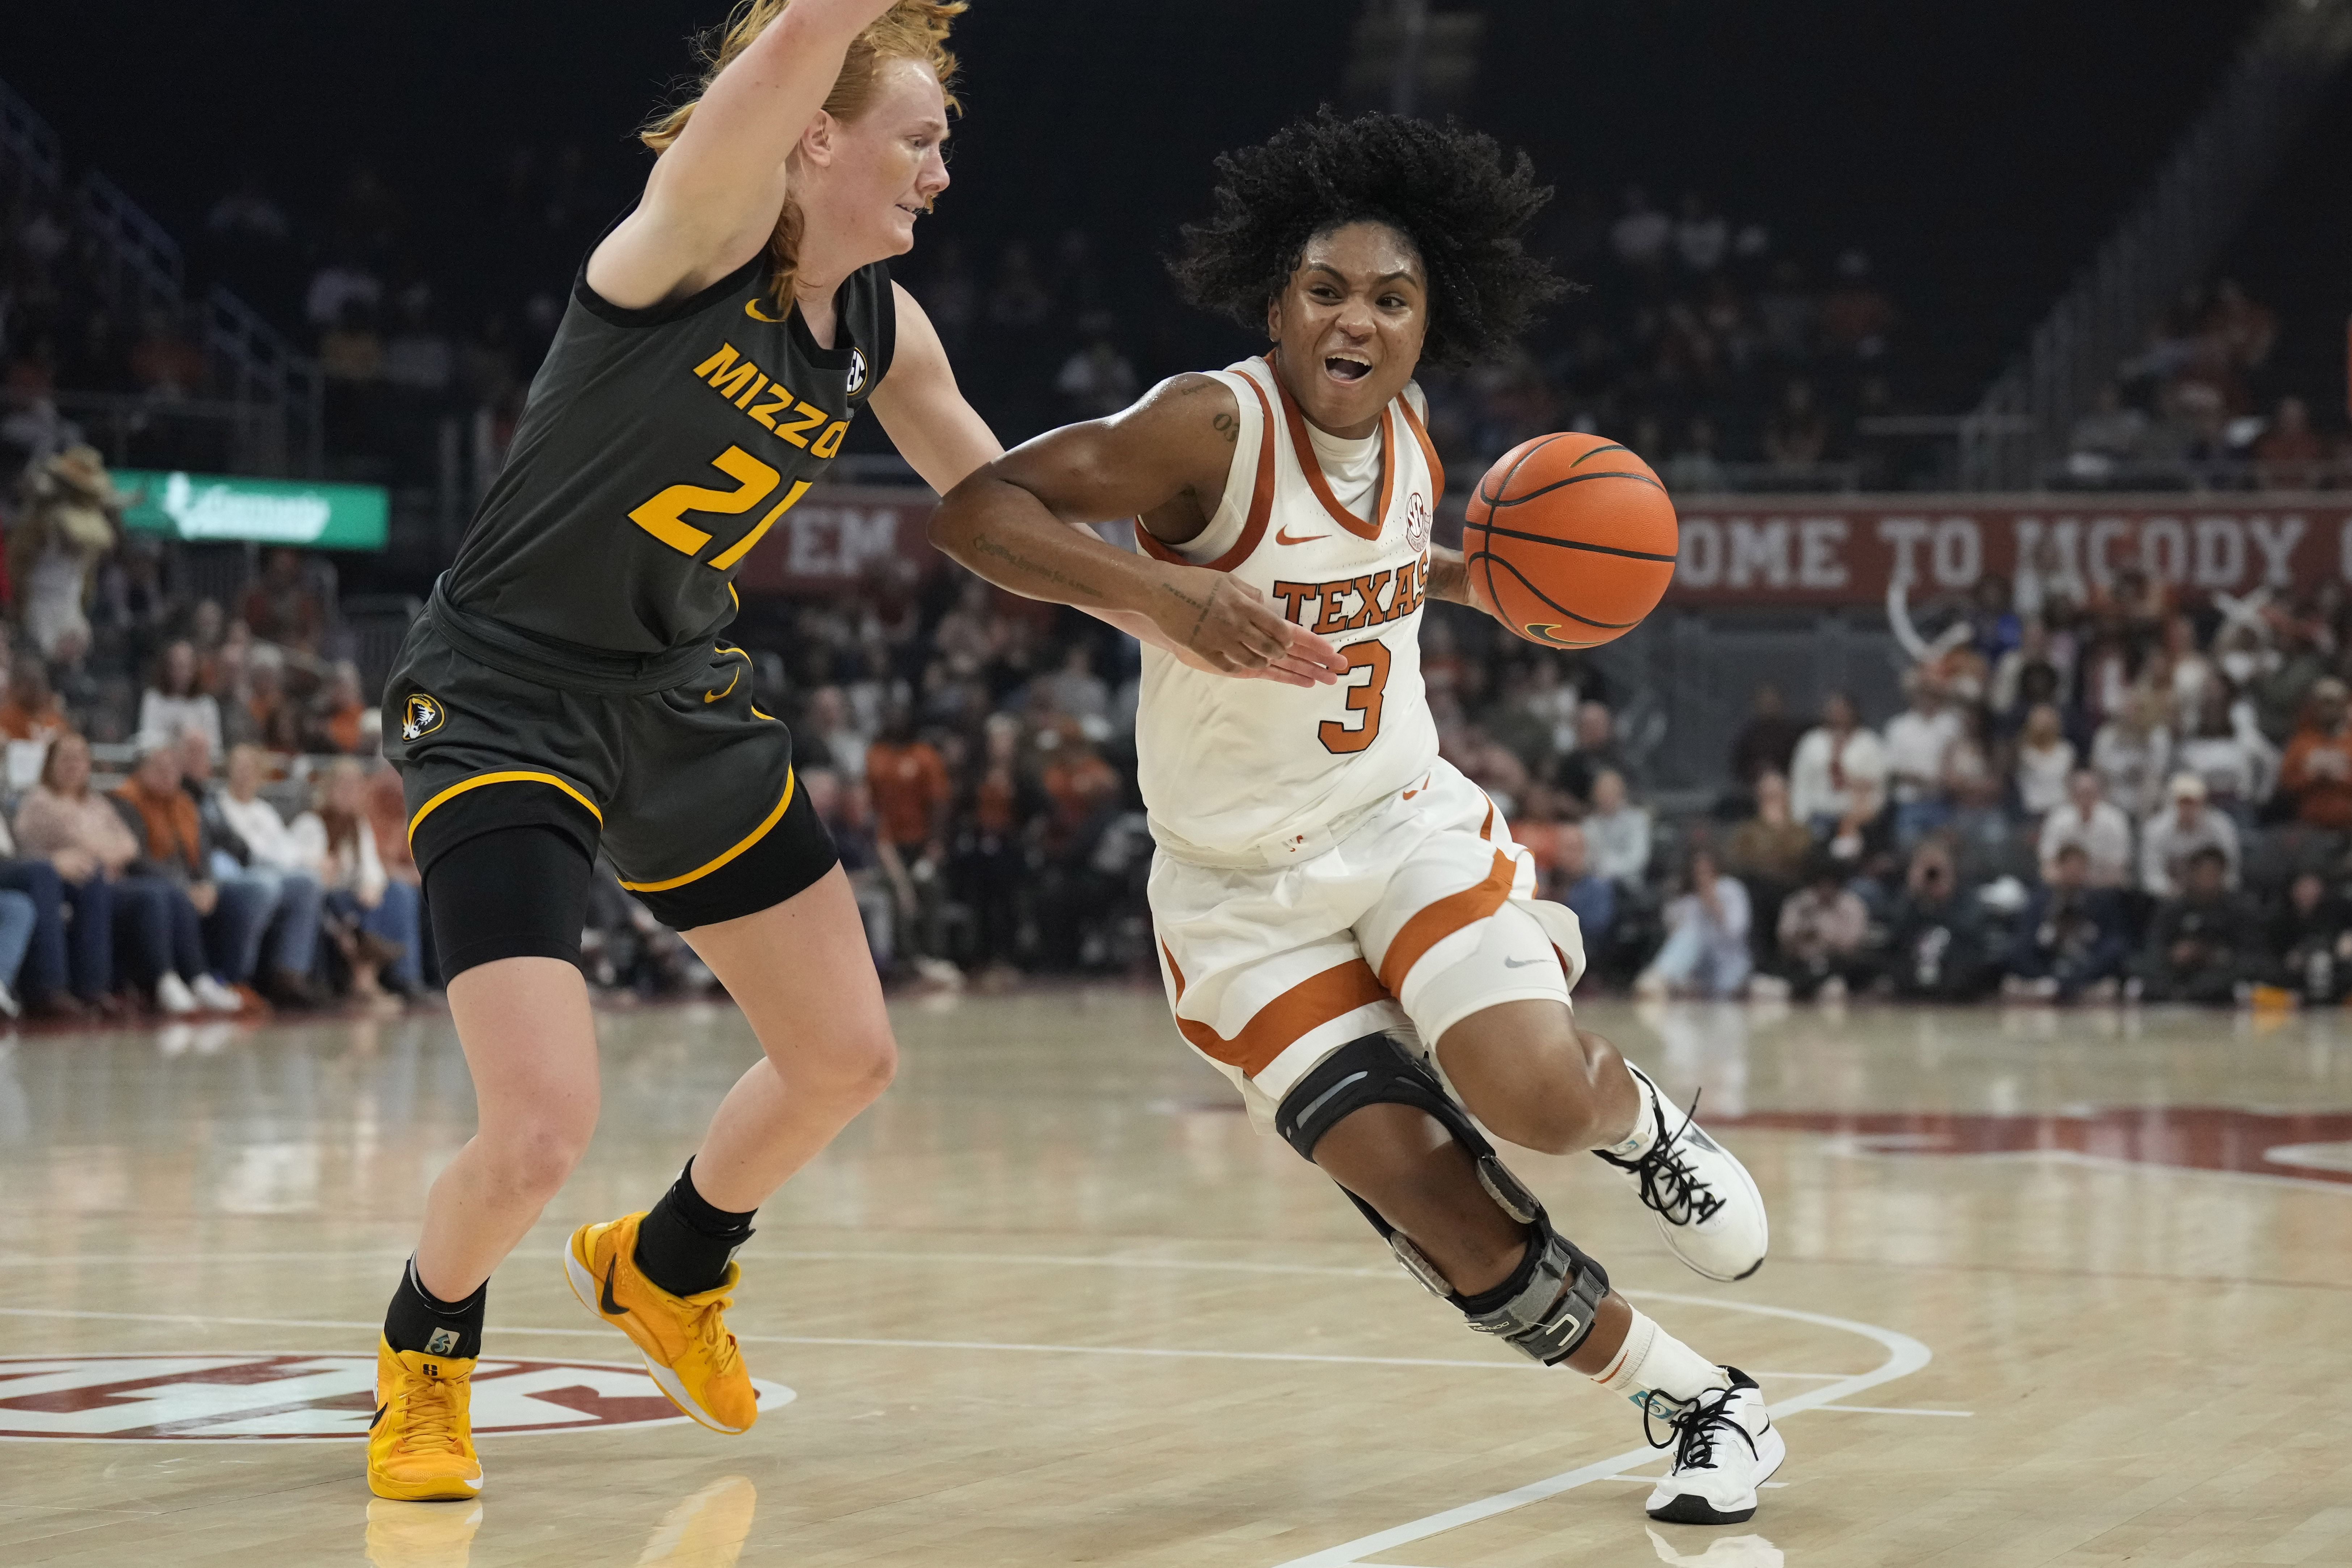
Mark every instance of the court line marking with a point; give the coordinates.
(1889, 1410)
(1905, 1356)
(1148, 1351)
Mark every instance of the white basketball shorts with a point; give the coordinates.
(1420, 913)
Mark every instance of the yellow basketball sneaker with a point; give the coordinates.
(421, 1443)
(684, 1339)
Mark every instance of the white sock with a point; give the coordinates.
(1637, 1142)
(1651, 1358)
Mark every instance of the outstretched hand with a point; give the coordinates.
(1220, 623)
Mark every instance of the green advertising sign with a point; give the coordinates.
(207, 507)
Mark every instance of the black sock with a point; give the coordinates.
(417, 1320)
(683, 1243)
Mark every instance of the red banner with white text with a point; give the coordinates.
(1839, 549)
(838, 536)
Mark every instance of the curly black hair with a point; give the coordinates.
(1446, 188)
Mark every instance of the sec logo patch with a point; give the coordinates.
(422, 715)
(230, 1397)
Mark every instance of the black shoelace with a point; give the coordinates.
(1691, 1430)
(1669, 1186)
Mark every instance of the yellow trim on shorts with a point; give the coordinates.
(479, 780)
(792, 778)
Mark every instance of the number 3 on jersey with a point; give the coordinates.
(664, 516)
(1342, 738)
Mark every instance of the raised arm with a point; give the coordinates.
(715, 194)
(1021, 522)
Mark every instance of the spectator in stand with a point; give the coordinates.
(284, 605)
(174, 704)
(1838, 766)
(2311, 937)
(2200, 947)
(1823, 927)
(1076, 690)
(839, 743)
(68, 521)
(59, 955)
(387, 811)
(2223, 748)
(372, 919)
(1694, 468)
(32, 712)
(1591, 895)
(835, 808)
(153, 924)
(1596, 753)
(2290, 455)
(1097, 380)
(175, 849)
(2091, 822)
(1796, 437)
(910, 786)
(1617, 832)
(2280, 692)
(2317, 772)
(2110, 435)
(1936, 941)
(1767, 741)
(1639, 238)
(2045, 759)
(2132, 754)
(1705, 952)
(995, 813)
(1917, 741)
(267, 717)
(2170, 838)
(1077, 780)
(2073, 939)
(1771, 847)
(276, 860)
(340, 724)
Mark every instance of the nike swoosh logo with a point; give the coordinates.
(612, 1308)
(1521, 962)
(1282, 536)
(378, 1416)
(710, 697)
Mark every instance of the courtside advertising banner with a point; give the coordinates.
(1846, 550)
(204, 508)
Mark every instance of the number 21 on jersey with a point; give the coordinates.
(664, 516)
(1340, 737)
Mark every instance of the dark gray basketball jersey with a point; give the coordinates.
(656, 448)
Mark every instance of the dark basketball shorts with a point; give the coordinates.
(689, 788)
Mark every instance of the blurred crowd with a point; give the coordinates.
(2206, 405)
(2136, 798)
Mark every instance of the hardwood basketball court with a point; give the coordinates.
(2045, 1289)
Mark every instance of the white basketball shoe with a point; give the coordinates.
(1725, 1448)
(1707, 1205)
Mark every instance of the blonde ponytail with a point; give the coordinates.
(910, 29)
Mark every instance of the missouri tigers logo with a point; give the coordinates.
(422, 716)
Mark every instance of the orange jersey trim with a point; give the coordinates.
(1303, 449)
(1283, 1022)
(1449, 914)
(1261, 503)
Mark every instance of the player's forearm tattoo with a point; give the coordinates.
(983, 546)
(1185, 598)
(1449, 580)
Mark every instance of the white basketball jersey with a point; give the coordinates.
(1251, 767)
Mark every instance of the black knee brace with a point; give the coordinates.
(1546, 1308)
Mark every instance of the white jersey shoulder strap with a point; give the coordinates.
(1240, 520)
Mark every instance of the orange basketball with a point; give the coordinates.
(1569, 540)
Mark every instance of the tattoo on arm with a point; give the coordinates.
(1184, 598)
(982, 545)
(1229, 426)
(1449, 580)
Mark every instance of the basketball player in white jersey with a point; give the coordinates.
(1346, 928)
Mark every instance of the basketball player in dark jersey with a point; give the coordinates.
(569, 686)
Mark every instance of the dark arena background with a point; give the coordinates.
(1970, 828)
